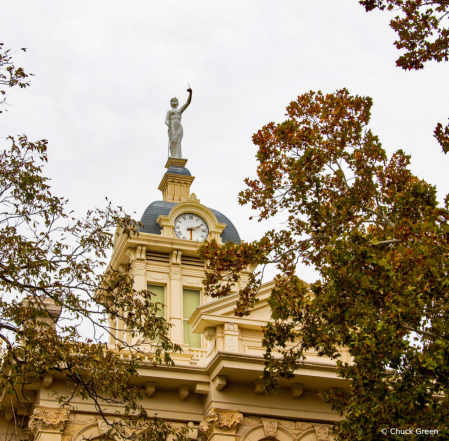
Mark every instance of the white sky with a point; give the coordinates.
(106, 70)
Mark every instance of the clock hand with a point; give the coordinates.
(191, 230)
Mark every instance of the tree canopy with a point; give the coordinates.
(53, 278)
(379, 240)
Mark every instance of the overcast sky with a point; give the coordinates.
(105, 71)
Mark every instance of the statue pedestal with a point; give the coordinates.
(177, 162)
(175, 185)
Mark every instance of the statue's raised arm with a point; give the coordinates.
(189, 100)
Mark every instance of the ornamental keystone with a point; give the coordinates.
(270, 428)
(322, 433)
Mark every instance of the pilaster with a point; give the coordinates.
(138, 272)
(175, 303)
(231, 337)
(219, 338)
(138, 267)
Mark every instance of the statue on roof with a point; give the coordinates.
(173, 121)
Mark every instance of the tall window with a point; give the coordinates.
(190, 301)
(159, 297)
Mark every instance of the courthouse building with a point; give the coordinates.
(214, 387)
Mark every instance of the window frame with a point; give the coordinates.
(153, 299)
(185, 320)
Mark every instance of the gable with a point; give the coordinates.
(220, 311)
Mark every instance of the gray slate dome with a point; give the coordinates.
(157, 208)
(176, 170)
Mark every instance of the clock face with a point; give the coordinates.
(190, 226)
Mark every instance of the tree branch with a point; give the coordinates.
(386, 242)
(387, 221)
(424, 333)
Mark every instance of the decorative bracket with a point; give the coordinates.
(297, 390)
(176, 257)
(183, 392)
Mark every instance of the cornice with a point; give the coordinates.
(206, 313)
(153, 242)
(207, 320)
(170, 177)
(234, 357)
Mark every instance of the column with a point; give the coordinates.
(139, 274)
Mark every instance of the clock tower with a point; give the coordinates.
(163, 257)
(214, 387)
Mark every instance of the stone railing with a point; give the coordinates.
(197, 353)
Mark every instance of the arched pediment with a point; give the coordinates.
(94, 432)
(309, 435)
(91, 431)
(191, 205)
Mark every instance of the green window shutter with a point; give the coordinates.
(190, 301)
(159, 296)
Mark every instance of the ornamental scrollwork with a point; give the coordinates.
(48, 419)
(221, 421)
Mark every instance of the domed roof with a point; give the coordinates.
(157, 208)
(176, 170)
